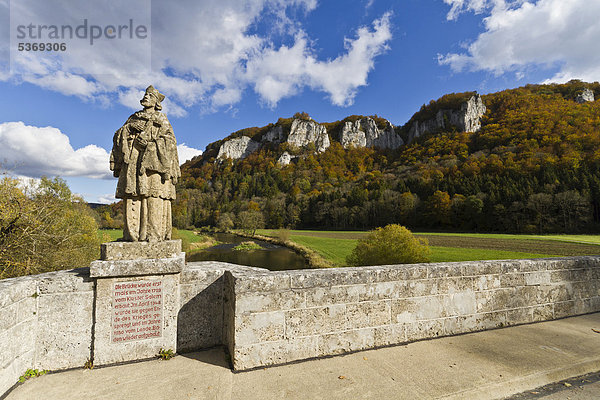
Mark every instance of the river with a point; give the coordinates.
(270, 256)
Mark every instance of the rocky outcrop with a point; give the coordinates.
(285, 159)
(274, 135)
(304, 132)
(465, 119)
(585, 96)
(238, 148)
(365, 133)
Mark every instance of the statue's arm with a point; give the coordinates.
(169, 148)
(119, 148)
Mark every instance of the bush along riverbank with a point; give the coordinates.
(314, 259)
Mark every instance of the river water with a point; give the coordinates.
(270, 256)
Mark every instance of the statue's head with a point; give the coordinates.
(152, 98)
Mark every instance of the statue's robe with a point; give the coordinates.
(146, 162)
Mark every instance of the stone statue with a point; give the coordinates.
(144, 158)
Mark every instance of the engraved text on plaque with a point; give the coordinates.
(137, 311)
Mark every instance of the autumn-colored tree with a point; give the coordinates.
(43, 227)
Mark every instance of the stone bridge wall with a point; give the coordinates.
(266, 318)
(279, 317)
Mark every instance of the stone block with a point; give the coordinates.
(389, 335)
(560, 276)
(519, 316)
(200, 317)
(345, 342)
(421, 287)
(482, 268)
(404, 311)
(421, 308)
(537, 278)
(581, 274)
(138, 326)
(17, 341)
(444, 270)
(553, 293)
(322, 296)
(490, 320)
(313, 321)
(452, 284)
(270, 301)
(512, 280)
(273, 353)
(543, 313)
(382, 291)
(260, 281)
(64, 330)
(15, 289)
(261, 327)
(9, 374)
(424, 329)
(75, 280)
(459, 324)
(26, 309)
(205, 272)
(487, 282)
(510, 266)
(8, 316)
(368, 314)
(463, 303)
(139, 250)
(155, 266)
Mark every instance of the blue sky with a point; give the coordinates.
(230, 64)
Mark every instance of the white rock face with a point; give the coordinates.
(238, 148)
(466, 119)
(304, 132)
(585, 96)
(365, 133)
(285, 159)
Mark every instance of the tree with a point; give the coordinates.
(225, 222)
(43, 227)
(541, 205)
(250, 221)
(392, 244)
(438, 207)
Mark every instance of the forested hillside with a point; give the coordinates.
(534, 166)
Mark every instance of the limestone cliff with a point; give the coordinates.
(467, 119)
(238, 148)
(365, 133)
(304, 132)
(285, 159)
(585, 96)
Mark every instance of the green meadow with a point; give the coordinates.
(335, 246)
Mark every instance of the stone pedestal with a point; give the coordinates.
(137, 300)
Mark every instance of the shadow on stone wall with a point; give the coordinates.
(200, 318)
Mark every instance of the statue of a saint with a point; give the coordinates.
(144, 158)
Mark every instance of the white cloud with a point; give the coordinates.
(283, 72)
(106, 198)
(548, 33)
(35, 151)
(204, 52)
(186, 153)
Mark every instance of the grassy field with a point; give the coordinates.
(335, 246)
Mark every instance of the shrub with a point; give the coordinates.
(283, 234)
(393, 244)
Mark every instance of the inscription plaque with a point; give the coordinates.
(137, 311)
